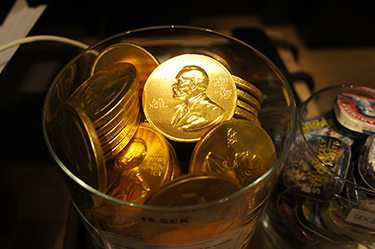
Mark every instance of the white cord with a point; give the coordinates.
(43, 38)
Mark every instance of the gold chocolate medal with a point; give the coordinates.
(79, 148)
(238, 148)
(143, 61)
(187, 95)
(143, 165)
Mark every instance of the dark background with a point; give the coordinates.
(320, 23)
(35, 210)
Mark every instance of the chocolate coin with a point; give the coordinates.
(187, 95)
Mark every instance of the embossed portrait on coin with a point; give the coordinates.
(197, 110)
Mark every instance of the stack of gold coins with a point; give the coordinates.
(147, 162)
(189, 98)
(238, 148)
(249, 100)
(110, 99)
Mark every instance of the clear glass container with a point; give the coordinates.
(339, 211)
(225, 223)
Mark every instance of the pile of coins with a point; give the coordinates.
(127, 151)
(112, 115)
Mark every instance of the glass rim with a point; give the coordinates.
(104, 196)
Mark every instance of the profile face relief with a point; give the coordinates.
(188, 81)
(198, 110)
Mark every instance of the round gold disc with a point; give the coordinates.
(143, 61)
(239, 148)
(187, 95)
(143, 165)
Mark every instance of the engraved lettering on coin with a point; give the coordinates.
(198, 110)
(158, 103)
(220, 83)
(231, 136)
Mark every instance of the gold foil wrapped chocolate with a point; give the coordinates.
(143, 61)
(238, 148)
(147, 162)
(187, 95)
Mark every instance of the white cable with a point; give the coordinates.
(43, 38)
